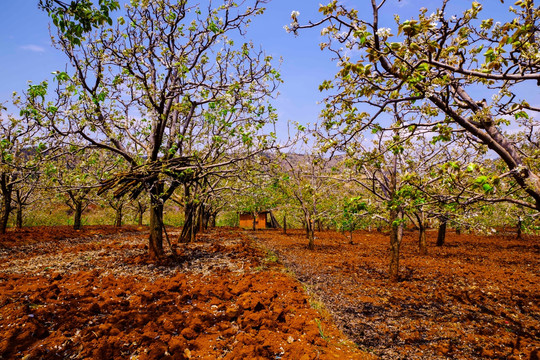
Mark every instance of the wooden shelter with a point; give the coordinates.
(264, 220)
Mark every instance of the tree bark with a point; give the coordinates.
(118, 217)
(155, 239)
(254, 221)
(77, 224)
(396, 234)
(213, 220)
(310, 234)
(441, 235)
(141, 208)
(200, 224)
(187, 229)
(6, 209)
(19, 218)
(285, 224)
(140, 218)
(518, 234)
(6, 203)
(422, 242)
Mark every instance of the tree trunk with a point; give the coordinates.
(78, 215)
(396, 234)
(187, 229)
(422, 242)
(254, 221)
(140, 213)
(118, 218)
(518, 235)
(19, 218)
(193, 225)
(310, 234)
(200, 224)
(285, 224)
(212, 220)
(6, 203)
(155, 239)
(441, 235)
(140, 218)
(6, 209)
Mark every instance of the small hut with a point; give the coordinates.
(265, 220)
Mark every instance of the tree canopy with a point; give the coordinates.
(447, 75)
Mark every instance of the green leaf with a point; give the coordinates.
(487, 188)
(521, 114)
(481, 179)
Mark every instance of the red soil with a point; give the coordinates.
(35, 234)
(477, 297)
(97, 297)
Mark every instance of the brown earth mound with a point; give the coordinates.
(97, 297)
(40, 234)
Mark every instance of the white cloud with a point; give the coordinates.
(34, 48)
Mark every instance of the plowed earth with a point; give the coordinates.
(477, 297)
(93, 295)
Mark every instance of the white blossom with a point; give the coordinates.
(342, 35)
(325, 31)
(295, 14)
(384, 32)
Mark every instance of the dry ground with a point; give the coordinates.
(476, 297)
(92, 294)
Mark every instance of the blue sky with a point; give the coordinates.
(26, 53)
